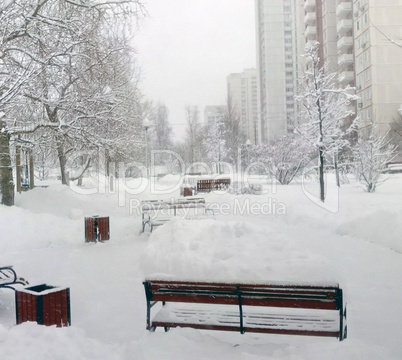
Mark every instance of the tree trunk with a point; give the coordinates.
(338, 182)
(62, 161)
(322, 184)
(6, 170)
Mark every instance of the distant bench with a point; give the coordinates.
(315, 310)
(208, 185)
(8, 278)
(158, 212)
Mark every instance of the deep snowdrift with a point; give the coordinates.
(277, 236)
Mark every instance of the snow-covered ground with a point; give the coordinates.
(277, 236)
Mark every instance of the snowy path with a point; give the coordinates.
(45, 244)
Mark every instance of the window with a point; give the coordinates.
(368, 75)
(369, 113)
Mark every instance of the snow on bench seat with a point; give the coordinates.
(223, 317)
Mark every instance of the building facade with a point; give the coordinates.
(366, 54)
(378, 60)
(359, 39)
(242, 95)
(214, 113)
(277, 35)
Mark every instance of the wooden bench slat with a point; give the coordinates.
(263, 295)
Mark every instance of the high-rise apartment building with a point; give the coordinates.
(213, 113)
(356, 38)
(277, 66)
(378, 61)
(242, 94)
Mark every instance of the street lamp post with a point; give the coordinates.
(146, 127)
(248, 144)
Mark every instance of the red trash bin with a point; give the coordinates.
(97, 229)
(44, 304)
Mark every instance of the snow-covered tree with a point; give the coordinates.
(194, 135)
(326, 110)
(233, 134)
(285, 158)
(76, 56)
(161, 131)
(371, 156)
(215, 144)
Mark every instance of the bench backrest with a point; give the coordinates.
(328, 297)
(155, 205)
(212, 184)
(8, 277)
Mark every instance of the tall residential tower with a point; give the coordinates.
(277, 66)
(242, 93)
(359, 39)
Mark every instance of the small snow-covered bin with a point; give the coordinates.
(97, 228)
(187, 191)
(44, 304)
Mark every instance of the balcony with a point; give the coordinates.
(344, 25)
(345, 59)
(309, 5)
(310, 18)
(311, 32)
(346, 77)
(344, 43)
(344, 9)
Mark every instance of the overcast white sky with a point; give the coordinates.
(186, 49)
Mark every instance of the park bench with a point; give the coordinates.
(208, 185)
(158, 212)
(291, 309)
(8, 278)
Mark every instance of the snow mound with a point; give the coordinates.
(229, 251)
